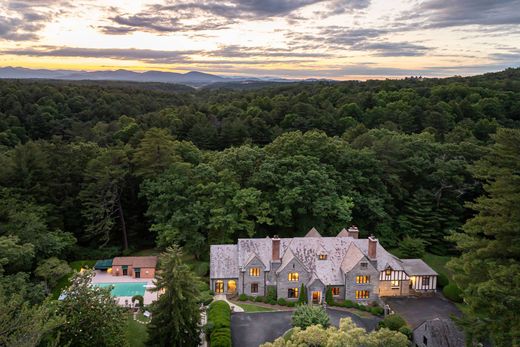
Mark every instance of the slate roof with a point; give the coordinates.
(228, 260)
(313, 233)
(224, 261)
(417, 267)
(443, 333)
(141, 262)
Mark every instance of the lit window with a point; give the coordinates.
(292, 293)
(394, 284)
(335, 291)
(362, 294)
(322, 257)
(364, 265)
(254, 272)
(219, 287)
(231, 286)
(254, 287)
(362, 279)
(293, 276)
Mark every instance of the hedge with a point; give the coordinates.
(242, 297)
(282, 302)
(452, 292)
(442, 280)
(219, 318)
(393, 322)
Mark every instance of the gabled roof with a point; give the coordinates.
(148, 262)
(253, 257)
(352, 258)
(417, 267)
(228, 261)
(313, 233)
(343, 233)
(443, 333)
(224, 261)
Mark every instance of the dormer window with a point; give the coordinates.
(322, 257)
(364, 265)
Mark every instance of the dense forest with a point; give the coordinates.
(91, 170)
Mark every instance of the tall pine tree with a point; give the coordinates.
(176, 314)
(488, 271)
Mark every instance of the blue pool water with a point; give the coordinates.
(125, 288)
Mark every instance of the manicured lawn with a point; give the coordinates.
(135, 332)
(438, 263)
(254, 308)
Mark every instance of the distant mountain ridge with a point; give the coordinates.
(192, 78)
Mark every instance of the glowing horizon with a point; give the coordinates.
(337, 39)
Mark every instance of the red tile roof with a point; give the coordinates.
(149, 262)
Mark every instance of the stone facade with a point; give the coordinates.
(282, 278)
(361, 269)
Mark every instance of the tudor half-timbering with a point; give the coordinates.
(354, 269)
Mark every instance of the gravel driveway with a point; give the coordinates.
(253, 329)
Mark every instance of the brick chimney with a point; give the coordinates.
(276, 248)
(372, 247)
(353, 231)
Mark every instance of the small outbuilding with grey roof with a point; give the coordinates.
(422, 277)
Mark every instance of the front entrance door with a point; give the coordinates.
(316, 297)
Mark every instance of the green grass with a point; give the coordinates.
(438, 263)
(254, 308)
(64, 282)
(136, 333)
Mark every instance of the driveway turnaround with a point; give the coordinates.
(253, 329)
(417, 310)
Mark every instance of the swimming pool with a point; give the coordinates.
(125, 288)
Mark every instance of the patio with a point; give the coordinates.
(104, 277)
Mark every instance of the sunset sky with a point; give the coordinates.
(338, 39)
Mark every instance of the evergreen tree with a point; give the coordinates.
(488, 271)
(302, 298)
(176, 314)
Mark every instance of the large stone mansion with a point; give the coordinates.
(355, 269)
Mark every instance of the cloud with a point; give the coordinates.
(450, 13)
(145, 55)
(22, 20)
(236, 51)
(392, 49)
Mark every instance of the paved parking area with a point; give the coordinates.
(417, 310)
(253, 329)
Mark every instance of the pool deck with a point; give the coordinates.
(103, 277)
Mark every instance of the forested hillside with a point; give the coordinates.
(93, 170)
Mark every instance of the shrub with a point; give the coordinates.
(307, 315)
(412, 248)
(452, 292)
(442, 280)
(406, 331)
(260, 299)
(348, 304)
(302, 298)
(329, 299)
(138, 298)
(393, 322)
(251, 298)
(211, 292)
(242, 297)
(271, 293)
(362, 307)
(377, 311)
(291, 304)
(219, 322)
(271, 301)
(282, 302)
